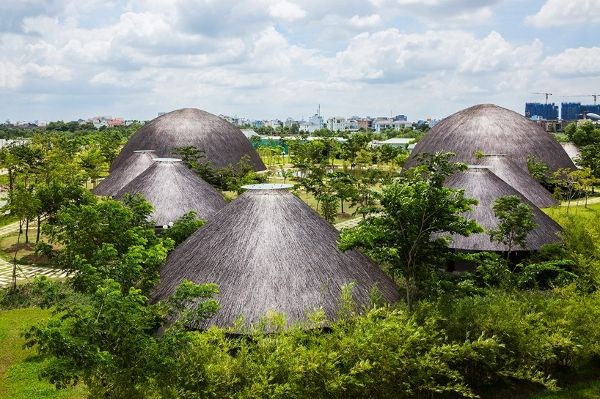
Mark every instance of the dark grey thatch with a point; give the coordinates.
(492, 130)
(136, 163)
(480, 183)
(268, 250)
(503, 167)
(223, 143)
(174, 190)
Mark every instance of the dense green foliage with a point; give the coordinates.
(108, 239)
(515, 222)
(230, 178)
(409, 236)
(459, 335)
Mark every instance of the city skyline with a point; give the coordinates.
(270, 59)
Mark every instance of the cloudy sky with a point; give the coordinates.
(263, 59)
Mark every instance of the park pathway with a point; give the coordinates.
(24, 272)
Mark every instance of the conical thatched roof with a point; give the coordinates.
(136, 163)
(269, 251)
(174, 190)
(480, 183)
(503, 167)
(492, 130)
(223, 143)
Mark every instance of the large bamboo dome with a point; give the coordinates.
(173, 190)
(269, 251)
(136, 163)
(223, 143)
(480, 183)
(492, 130)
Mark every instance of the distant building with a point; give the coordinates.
(394, 142)
(365, 123)
(381, 124)
(337, 124)
(589, 108)
(115, 122)
(570, 111)
(314, 123)
(543, 111)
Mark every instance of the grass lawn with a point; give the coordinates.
(19, 367)
(561, 213)
(25, 252)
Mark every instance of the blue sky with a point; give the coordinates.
(264, 59)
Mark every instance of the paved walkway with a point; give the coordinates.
(24, 272)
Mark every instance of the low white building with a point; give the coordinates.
(337, 124)
(394, 142)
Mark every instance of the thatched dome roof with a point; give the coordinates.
(493, 130)
(268, 250)
(480, 183)
(223, 143)
(503, 167)
(174, 190)
(136, 163)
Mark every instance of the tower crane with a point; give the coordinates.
(594, 96)
(546, 94)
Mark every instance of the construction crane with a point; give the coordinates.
(546, 94)
(594, 96)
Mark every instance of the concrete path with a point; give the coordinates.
(24, 272)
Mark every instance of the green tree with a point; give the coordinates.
(583, 133)
(417, 212)
(108, 239)
(105, 339)
(183, 227)
(589, 157)
(329, 203)
(540, 172)
(344, 187)
(515, 223)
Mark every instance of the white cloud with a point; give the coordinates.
(441, 13)
(392, 56)
(366, 21)
(575, 62)
(286, 10)
(11, 75)
(565, 12)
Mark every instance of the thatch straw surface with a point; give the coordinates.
(503, 167)
(136, 163)
(480, 183)
(223, 143)
(269, 251)
(174, 190)
(493, 130)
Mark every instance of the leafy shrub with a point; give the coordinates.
(183, 227)
(42, 292)
(547, 274)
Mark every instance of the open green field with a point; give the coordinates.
(561, 213)
(19, 367)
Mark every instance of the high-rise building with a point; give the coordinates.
(574, 111)
(570, 111)
(543, 111)
(590, 108)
